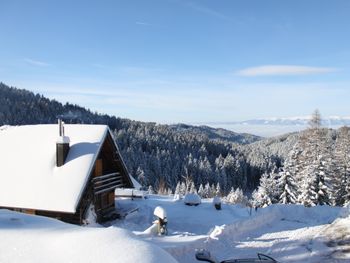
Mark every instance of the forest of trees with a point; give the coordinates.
(315, 172)
(310, 167)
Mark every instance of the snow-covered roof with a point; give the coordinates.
(136, 184)
(28, 173)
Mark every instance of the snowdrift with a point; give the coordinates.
(28, 239)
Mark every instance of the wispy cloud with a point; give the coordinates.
(283, 70)
(207, 11)
(36, 62)
(140, 23)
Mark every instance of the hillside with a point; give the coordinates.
(217, 133)
(158, 155)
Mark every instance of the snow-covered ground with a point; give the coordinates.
(289, 233)
(35, 239)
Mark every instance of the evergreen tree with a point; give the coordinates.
(236, 196)
(201, 191)
(265, 193)
(193, 189)
(287, 183)
(140, 175)
(177, 192)
(150, 190)
(183, 189)
(340, 182)
(207, 191)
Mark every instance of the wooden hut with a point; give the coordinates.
(61, 171)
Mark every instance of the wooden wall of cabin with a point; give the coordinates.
(104, 203)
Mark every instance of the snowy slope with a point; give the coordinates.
(34, 239)
(289, 233)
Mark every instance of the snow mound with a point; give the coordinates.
(192, 199)
(160, 212)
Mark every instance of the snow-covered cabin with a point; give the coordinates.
(61, 172)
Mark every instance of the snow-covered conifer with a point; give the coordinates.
(150, 190)
(207, 191)
(218, 190)
(201, 191)
(183, 189)
(264, 194)
(177, 189)
(193, 189)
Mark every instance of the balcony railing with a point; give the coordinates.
(108, 182)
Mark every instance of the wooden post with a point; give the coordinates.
(98, 168)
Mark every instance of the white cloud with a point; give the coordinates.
(36, 62)
(282, 70)
(143, 23)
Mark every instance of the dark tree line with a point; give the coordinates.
(19, 107)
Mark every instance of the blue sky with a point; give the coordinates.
(181, 61)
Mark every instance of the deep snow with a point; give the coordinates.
(289, 233)
(36, 239)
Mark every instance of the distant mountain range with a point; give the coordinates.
(292, 121)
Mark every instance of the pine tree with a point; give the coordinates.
(207, 191)
(340, 193)
(317, 168)
(236, 196)
(287, 182)
(150, 190)
(177, 193)
(183, 189)
(309, 194)
(201, 191)
(316, 120)
(140, 175)
(265, 193)
(193, 189)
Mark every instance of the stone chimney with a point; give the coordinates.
(62, 145)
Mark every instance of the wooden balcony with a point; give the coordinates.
(108, 182)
